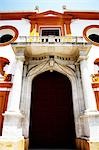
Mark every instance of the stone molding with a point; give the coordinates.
(49, 65)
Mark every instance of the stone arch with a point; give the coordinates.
(67, 71)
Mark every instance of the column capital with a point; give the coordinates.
(21, 58)
(82, 56)
(89, 97)
(20, 55)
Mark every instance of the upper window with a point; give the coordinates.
(50, 31)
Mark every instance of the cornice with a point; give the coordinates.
(16, 15)
(90, 15)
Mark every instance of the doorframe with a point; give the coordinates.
(27, 89)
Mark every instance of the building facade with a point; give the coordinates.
(49, 80)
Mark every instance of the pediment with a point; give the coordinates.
(50, 13)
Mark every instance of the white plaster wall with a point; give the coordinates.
(77, 26)
(7, 52)
(23, 27)
(93, 54)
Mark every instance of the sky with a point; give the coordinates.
(56, 5)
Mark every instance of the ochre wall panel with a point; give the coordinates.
(3, 106)
(4, 93)
(97, 98)
(95, 87)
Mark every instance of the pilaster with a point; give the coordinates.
(89, 97)
(15, 94)
(90, 118)
(12, 127)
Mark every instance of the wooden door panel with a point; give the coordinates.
(52, 122)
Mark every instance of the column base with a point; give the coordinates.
(11, 143)
(90, 125)
(84, 144)
(93, 123)
(12, 126)
(90, 112)
(26, 145)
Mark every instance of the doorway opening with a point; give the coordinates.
(51, 115)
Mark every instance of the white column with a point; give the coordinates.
(89, 97)
(12, 126)
(15, 94)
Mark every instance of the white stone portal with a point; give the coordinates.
(68, 70)
(20, 105)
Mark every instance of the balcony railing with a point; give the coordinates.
(51, 39)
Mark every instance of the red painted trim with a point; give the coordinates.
(95, 85)
(85, 34)
(96, 62)
(13, 39)
(31, 15)
(3, 107)
(4, 60)
(6, 85)
(49, 12)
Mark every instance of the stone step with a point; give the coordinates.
(52, 149)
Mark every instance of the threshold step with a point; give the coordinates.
(53, 149)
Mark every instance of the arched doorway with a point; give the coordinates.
(51, 116)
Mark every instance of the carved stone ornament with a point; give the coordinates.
(3, 63)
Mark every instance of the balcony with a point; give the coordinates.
(65, 46)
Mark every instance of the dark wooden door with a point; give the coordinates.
(51, 118)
